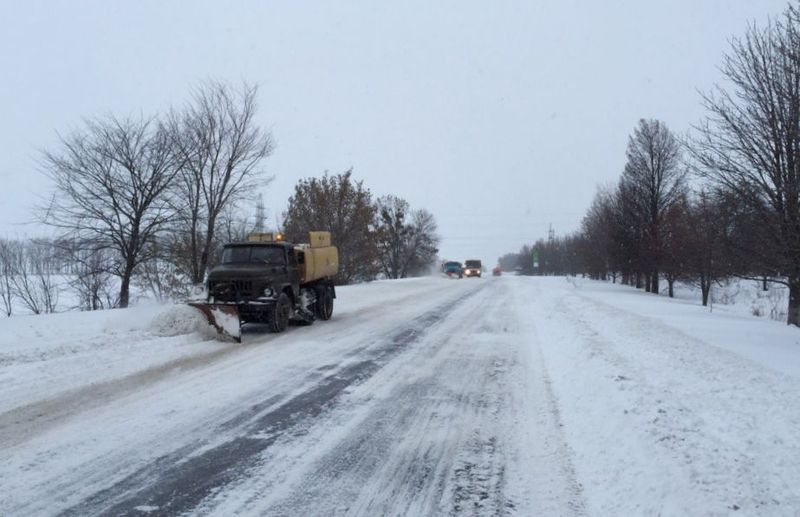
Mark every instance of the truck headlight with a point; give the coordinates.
(268, 291)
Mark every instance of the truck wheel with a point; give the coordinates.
(324, 305)
(279, 319)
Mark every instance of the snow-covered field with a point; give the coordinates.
(492, 396)
(745, 297)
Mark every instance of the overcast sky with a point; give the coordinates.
(501, 118)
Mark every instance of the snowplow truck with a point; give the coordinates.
(267, 280)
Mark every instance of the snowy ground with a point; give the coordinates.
(745, 297)
(493, 396)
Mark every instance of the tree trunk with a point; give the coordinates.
(205, 253)
(647, 279)
(201, 270)
(764, 286)
(192, 252)
(638, 280)
(793, 317)
(125, 288)
(671, 284)
(705, 288)
(654, 282)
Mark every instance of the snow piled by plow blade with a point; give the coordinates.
(178, 320)
(224, 318)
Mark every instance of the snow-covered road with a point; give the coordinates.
(494, 396)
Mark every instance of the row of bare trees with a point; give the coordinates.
(149, 200)
(42, 276)
(748, 150)
(164, 249)
(742, 216)
(143, 193)
(29, 276)
(688, 245)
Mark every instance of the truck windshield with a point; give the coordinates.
(473, 264)
(270, 255)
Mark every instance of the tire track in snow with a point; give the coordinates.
(26, 422)
(439, 457)
(450, 438)
(177, 482)
(548, 454)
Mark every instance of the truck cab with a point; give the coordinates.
(473, 267)
(254, 271)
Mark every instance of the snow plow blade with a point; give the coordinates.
(223, 317)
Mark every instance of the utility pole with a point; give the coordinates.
(551, 236)
(260, 215)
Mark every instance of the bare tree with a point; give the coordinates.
(749, 145)
(677, 243)
(597, 229)
(9, 251)
(407, 239)
(221, 149)
(88, 272)
(656, 180)
(425, 243)
(34, 282)
(708, 221)
(525, 260)
(92, 281)
(159, 275)
(111, 181)
(393, 234)
(627, 233)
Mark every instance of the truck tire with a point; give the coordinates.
(279, 319)
(324, 304)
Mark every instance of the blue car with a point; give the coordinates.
(453, 269)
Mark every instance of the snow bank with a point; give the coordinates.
(178, 320)
(745, 297)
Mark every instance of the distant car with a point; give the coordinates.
(473, 268)
(453, 269)
(497, 271)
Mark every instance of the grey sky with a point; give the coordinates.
(498, 117)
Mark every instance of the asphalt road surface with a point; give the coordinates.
(419, 400)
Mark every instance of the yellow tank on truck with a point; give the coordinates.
(317, 259)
